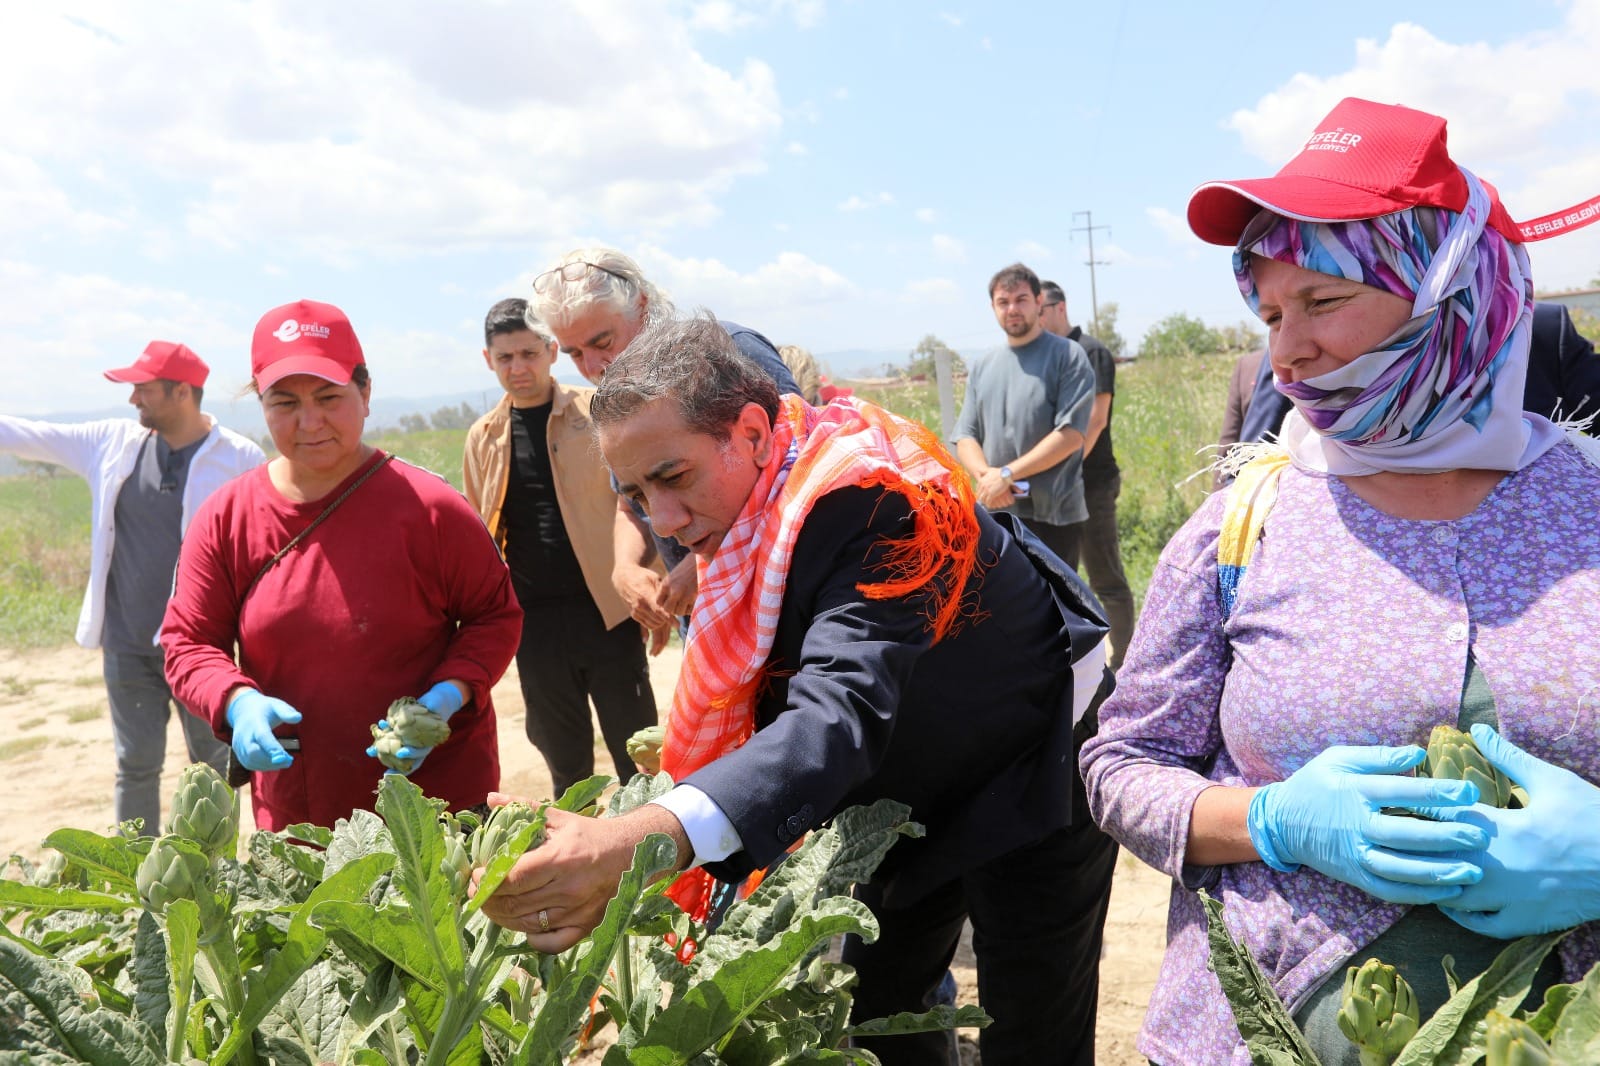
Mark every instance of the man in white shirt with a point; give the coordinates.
(146, 478)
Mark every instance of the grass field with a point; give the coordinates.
(1166, 411)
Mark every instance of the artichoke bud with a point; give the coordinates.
(1454, 756)
(1379, 1013)
(411, 725)
(644, 747)
(51, 870)
(205, 810)
(503, 824)
(174, 869)
(456, 866)
(1513, 1042)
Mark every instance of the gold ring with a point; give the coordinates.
(544, 921)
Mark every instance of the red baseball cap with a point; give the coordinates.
(304, 337)
(164, 361)
(1364, 160)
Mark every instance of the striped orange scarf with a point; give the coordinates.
(847, 443)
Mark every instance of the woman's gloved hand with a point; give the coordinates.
(443, 699)
(1541, 863)
(1327, 815)
(253, 717)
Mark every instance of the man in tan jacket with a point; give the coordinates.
(533, 472)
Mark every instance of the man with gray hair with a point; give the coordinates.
(864, 631)
(595, 301)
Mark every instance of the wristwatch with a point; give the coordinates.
(1005, 472)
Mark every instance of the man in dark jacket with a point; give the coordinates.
(810, 685)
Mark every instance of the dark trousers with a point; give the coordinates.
(567, 657)
(1038, 917)
(1102, 562)
(1063, 540)
(141, 704)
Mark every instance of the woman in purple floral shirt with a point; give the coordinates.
(1433, 556)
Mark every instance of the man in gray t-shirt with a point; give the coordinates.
(1022, 427)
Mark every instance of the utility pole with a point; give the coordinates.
(1089, 227)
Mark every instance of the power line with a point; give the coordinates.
(1089, 227)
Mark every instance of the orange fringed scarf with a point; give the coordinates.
(848, 443)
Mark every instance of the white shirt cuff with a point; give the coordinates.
(710, 833)
(1087, 673)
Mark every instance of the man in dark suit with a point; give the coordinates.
(857, 693)
(1563, 378)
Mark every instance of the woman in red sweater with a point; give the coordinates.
(393, 588)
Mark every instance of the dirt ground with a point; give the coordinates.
(57, 769)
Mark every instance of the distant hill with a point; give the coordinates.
(243, 415)
(851, 363)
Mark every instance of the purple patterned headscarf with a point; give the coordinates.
(1443, 393)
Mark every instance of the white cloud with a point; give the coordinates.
(780, 297)
(858, 203)
(31, 201)
(1033, 250)
(1530, 136)
(807, 14)
(927, 214)
(1174, 228)
(948, 249)
(329, 127)
(42, 317)
(720, 16)
(950, 19)
(841, 93)
(937, 291)
(796, 148)
(986, 44)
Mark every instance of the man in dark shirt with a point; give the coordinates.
(595, 301)
(532, 472)
(1098, 547)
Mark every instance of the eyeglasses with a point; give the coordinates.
(1053, 303)
(573, 271)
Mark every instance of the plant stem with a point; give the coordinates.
(625, 976)
(223, 956)
(465, 1000)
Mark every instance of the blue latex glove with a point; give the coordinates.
(253, 717)
(1326, 815)
(444, 700)
(1541, 865)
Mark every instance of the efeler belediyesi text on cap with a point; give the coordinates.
(1332, 141)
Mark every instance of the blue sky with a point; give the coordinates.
(842, 174)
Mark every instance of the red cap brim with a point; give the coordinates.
(129, 375)
(315, 365)
(1220, 210)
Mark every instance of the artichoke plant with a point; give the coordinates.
(206, 811)
(411, 725)
(1513, 1042)
(1454, 755)
(644, 747)
(174, 869)
(498, 831)
(1379, 1013)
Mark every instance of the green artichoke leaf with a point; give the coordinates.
(46, 987)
